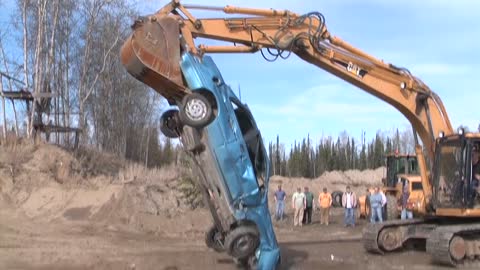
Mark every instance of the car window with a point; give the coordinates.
(251, 136)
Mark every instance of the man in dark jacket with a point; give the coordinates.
(406, 211)
(307, 214)
(475, 181)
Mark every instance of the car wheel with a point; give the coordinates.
(250, 263)
(169, 124)
(197, 110)
(253, 262)
(337, 198)
(242, 242)
(214, 239)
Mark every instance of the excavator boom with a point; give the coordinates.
(152, 54)
(452, 229)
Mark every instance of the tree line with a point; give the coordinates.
(69, 49)
(308, 159)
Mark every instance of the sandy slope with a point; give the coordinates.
(60, 211)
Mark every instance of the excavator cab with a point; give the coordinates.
(456, 191)
(399, 164)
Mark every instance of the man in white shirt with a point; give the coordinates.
(349, 202)
(298, 205)
(384, 202)
(384, 198)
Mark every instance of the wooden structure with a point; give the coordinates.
(28, 97)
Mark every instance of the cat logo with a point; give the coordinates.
(352, 68)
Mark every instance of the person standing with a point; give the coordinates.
(298, 205)
(325, 202)
(384, 198)
(376, 206)
(475, 181)
(307, 214)
(384, 202)
(406, 211)
(279, 197)
(349, 202)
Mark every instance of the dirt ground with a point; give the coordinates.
(90, 211)
(25, 244)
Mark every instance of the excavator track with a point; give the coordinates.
(371, 240)
(456, 245)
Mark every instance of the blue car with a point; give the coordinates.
(221, 135)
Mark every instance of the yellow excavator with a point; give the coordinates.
(450, 227)
(401, 171)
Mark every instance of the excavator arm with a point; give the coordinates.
(153, 51)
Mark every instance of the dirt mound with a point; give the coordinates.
(359, 181)
(47, 183)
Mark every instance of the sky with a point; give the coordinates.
(434, 39)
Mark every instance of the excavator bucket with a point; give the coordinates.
(152, 55)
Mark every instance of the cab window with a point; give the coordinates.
(417, 186)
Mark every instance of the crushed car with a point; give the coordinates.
(221, 136)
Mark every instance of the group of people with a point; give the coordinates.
(378, 201)
(303, 204)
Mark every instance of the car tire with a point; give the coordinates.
(337, 198)
(391, 208)
(242, 242)
(253, 262)
(169, 124)
(214, 239)
(246, 263)
(197, 110)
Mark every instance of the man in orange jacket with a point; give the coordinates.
(325, 202)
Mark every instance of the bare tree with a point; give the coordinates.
(4, 109)
(7, 70)
(71, 48)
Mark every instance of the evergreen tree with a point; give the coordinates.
(378, 152)
(277, 156)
